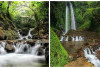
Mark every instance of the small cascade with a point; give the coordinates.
(24, 54)
(28, 36)
(66, 39)
(2, 46)
(74, 38)
(91, 57)
(61, 39)
(73, 24)
(77, 38)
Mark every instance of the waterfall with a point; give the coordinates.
(27, 36)
(91, 57)
(24, 54)
(66, 25)
(73, 24)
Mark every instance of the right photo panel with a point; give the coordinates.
(75, 33)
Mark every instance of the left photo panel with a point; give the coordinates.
(24, 33)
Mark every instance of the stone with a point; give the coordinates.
(40, 51)
(9, 48)
(47, 54)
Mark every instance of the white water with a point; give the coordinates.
(66, 39)
(73, 24)
(91, 57)
(74, 38)
(27, 36)
(77, 38)
(61, 39)
(67, 14)
(20, 57)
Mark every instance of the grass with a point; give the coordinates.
(58, 55)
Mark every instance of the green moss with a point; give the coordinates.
(10, 34)
(58, 55)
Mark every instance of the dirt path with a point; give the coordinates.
(80, 62)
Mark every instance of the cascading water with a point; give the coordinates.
(73, 24)
(74, 38)
(23, 55)
(67, 15)
(27, 36)
(91, 57)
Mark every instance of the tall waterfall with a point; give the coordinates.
(73, 24)
(66, 26)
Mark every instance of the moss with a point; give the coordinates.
(10, 34)
(58, 55)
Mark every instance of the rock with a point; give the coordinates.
(69, 39)
(31, 42)
(1, 34)
(9, 41)
(80, 62)
(98, 54)
(24, 31)
(9, 48)
(46, 44)
(47, 54)
(40, 51)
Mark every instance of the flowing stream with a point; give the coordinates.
(91, 57)
(22, 54)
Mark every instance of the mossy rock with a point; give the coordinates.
(1, 34)
(24, 31)
(10, 34)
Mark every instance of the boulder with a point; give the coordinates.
(9, 48)
(40, 51)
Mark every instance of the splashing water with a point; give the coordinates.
(21, 56)
(74, 38)
(91, 57)
(27, 36)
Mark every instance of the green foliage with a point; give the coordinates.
(88, 15)
(58, 55)
(58, 15)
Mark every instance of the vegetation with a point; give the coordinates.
(58, 55)
(58, 15)
(23, 15)
(87, 15)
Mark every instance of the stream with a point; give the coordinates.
(21, 53)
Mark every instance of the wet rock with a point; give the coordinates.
(69, 39)
(40, 51)
(47, 54)
(46, 44)
(9, 41)
(9, 48)
(24, 31)
(31, 42)
(98, 54)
